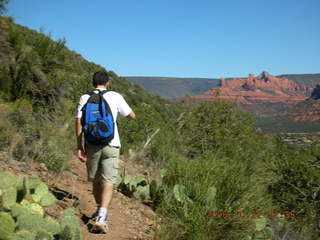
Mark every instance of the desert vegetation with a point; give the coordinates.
(22, 211)
(214, 175)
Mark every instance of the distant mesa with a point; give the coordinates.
(261, 88)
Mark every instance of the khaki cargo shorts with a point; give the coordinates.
(102, 163)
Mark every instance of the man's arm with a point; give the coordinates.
(80, 150)
(79, 133)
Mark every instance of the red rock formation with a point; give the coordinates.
(263, 88)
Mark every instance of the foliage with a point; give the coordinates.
(216, 126)
(3, 3)
(7, 226)
(296, 185)
(40, 85)
(24, 217)
(145, 189)
(194, 189)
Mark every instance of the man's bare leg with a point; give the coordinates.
(106, 195)
(97, 192)
(102, 194)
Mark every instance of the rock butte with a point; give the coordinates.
(263, 88)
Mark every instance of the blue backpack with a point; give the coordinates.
(97, 119)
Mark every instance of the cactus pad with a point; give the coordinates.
(36, 209)
(7, 226)
(19, 210)
(31, 222)
(9, 198)
(43, 235)
(69, 221)
(7, 180)
(51, 225)
(70, 233)
(260, 223)
(71, 228)
(48, 200)
(69, 211)
(19, 183)
(23, 235)
(142, 192)
(39, 192)
(33, 182)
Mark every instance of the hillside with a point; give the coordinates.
(167, 187)
(306, 79)
(170, 88)
(41, 81)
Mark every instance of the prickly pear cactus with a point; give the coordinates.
(7, 180)
(41, 190)
(9, 198)
(25, 198)
(43, 235)
(140, 180)
(127, 179)
(18, 210)
(260, 223)
(19, 183)
(33, 182)
(142, 192)
(70, 233)
(179, 192)
(7, 226)
(69, 220)
(48, 200)
(31, 222)
(265, 234)
(23, 235)
(69, 212)
(51, 226)
(71, 228)
(33, 208)
(36, 209)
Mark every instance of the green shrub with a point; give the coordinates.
(196, 188)
(295, 185)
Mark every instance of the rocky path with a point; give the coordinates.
(128, 218)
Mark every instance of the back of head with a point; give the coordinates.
(100, 78)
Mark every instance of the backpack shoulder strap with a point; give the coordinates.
(102, 92)
(90, 93)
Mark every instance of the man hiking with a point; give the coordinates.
(96, 117)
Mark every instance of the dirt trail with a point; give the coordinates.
(128, 218)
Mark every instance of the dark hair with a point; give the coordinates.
(100, 78)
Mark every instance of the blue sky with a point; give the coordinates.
(183, 38)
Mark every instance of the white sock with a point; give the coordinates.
(103, 212)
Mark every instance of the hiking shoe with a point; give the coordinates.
(100, 224)
(94, 215)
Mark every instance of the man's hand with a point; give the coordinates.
(132, 115)
(81, 155)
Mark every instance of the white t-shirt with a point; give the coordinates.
(117, 105)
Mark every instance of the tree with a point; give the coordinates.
(3, 4)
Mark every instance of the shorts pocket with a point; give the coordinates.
(116, 163)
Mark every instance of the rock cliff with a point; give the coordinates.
(262, 88)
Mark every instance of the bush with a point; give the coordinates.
(296, 185)
(221, 171)
(217, 125)
(197, 188)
